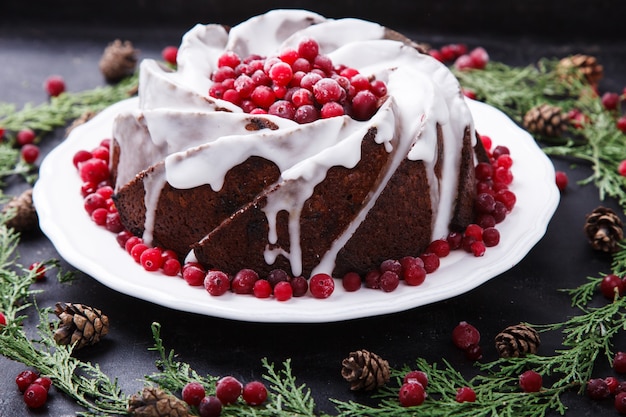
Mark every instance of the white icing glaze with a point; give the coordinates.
(200, 142)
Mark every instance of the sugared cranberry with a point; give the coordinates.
(479, 57)
(327, 90)
(610, 100)
(54, 85)
(308, 49)
(282, 108)
(478, 248)
(254, 393)
(417, 376)
(331, 109)
(530, 381)
(94, 201)
(474, 352)
(439, 247)
(113, 222)
(485, 203)
(491, 236)
(507, 198)
(228, 59)
(228, 389)
(94, 170)
(216, 283)
(465, 394)
(389, 281)
(612, 383)
(465, 335)
(431, 262)
(454, 239)
(170, 54)
(413, 271)
(321, 285)
(411, 394)
(193, 393)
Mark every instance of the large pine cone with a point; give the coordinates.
(587, 65)
(154, 402)
(80, 324)
(604, 229)
(518, 340)
(546, 120)
(365, 370)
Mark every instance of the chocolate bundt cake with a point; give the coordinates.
(266, 175)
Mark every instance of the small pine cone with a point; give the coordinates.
(365, 370)
(24, 214)
(518, 340)
(586, 64)
(546, 120)
(604, 229)
(154, 402)
(80, 324)
(118, 61)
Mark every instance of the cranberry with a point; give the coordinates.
(507, 198)
(254, 393)
(54, 85)
(327, 90)
(416, 376)
(620, 402)
(306, 114)
(475, 231)
(598, 389)
(331, 109)
(364, 105)
(411, 394)
(44, 381)
(479, 57)
(228, 59)
(114, 223)
(228, 389)
(25, 378)
(81, 156)
(389, 281)
(243, 281)
(439, 247)
(193, 393)
(561, 180)
(170, 54)
(619, 362)
(282, 108)
(485, 203)
(454, 239)
(611, 286)
(464, 63)
(35, 396)
(351, 281)
(465, 335)
(277, 275)
(131, 241)
(413, 270)
(431, 262)
(483, 171)
(621, 124)
(29, 153)
(474, 352)
(621, 168)
(610, 100)
(612, 383)
(193, 274)
(299, 286)
(25, 136)
(137, 250)
(491, 236)
(171, 267)
(262, 288)
(3, 320)
(93, 201)
(530, 381)
(40, 270)
(283, 291)
(94, 170)
(210, 406)
(101, 152)
(477, 248)
(216, 283)
(151, 259)
(465, 394)
(308, 49)
(321, 285)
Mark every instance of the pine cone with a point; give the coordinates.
(24, 214)
(518, 340)
(80, 324)
(365, 370)
(586, 64)
(604, 229)
(118, 61)
(154, 402)
(546, 120)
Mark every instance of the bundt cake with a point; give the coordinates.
(233, 181)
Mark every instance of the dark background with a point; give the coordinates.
(39, 38)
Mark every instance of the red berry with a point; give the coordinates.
(299, 286)
(331, 109)
(364, 105)
(228, 59)
(25, 378)
(475, 231)
(114, 223)
(35, 396)
(351, 281)
(417, 376)
(44, 381)
(611, 286)
(464, 63)
(29, 153)
(151, 259)
(621, 124)
(622, 168)
(137, 250)
(228, 390)
(411, 394)
(243, 281)
(491, 236)
(277, 275)
(465, 394)
(389, 281)
(54, 85)
(193, 393)
(562, 180)
(210, 406)
(474, 352)
(81, 156)
(94, 201)
(254, 393)
(283, 291)
(282, 108)
(281, 73)
(306, 114)
(94, 170)
(216, 283)
(321, 285)
(308, 49)
(597, 389)
(530, 381)
(431, 262)
(413, 271)
(465, 335)
(262, 288)
(169, 54)
(40, 270)
(478, 248)
(619, 362)
(25, 136)
(326, 90)
(612, 383)
(440, 247)
(610, 100)
(171, 267)
(479, 57)
(3, 320)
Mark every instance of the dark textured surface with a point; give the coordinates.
(528, 292)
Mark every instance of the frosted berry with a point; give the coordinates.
(299, 286)
(372, 279)
(507, 198)
(306, 114)
(465, 335)
(243, 281)
(114, 223)
(439, 247)
(431, 262)
(411, 394)
(561, 180)
(216, 283)
(326, 90)
(351, 282)
(30, 153)
(170, 54)
(281, 73)
(485, 203)
(321, 285)
(389, 281)
(228, 390)
(597, 389)
(413, 271)
(331, 109)
(611, 285)
(228, 59)
(94, 170)
(40, 270)
(619, 362)
(478, 248)
(262, 288)
(474, 231)
(391, 265)
(210, 406)
(283, 291)
(465, 394)
(25, 136)
(254, 393)
(94, 201)
(35, 396)
(416, 376)
(464, 63)
(479, 57)
(308, 49)
(25, 378)
(54, 85)
(282, 108)
(193, 393)
(530, 381)
(474, 352)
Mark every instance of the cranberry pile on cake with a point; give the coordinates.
(296, 142)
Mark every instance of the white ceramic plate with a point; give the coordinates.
(94, 250)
